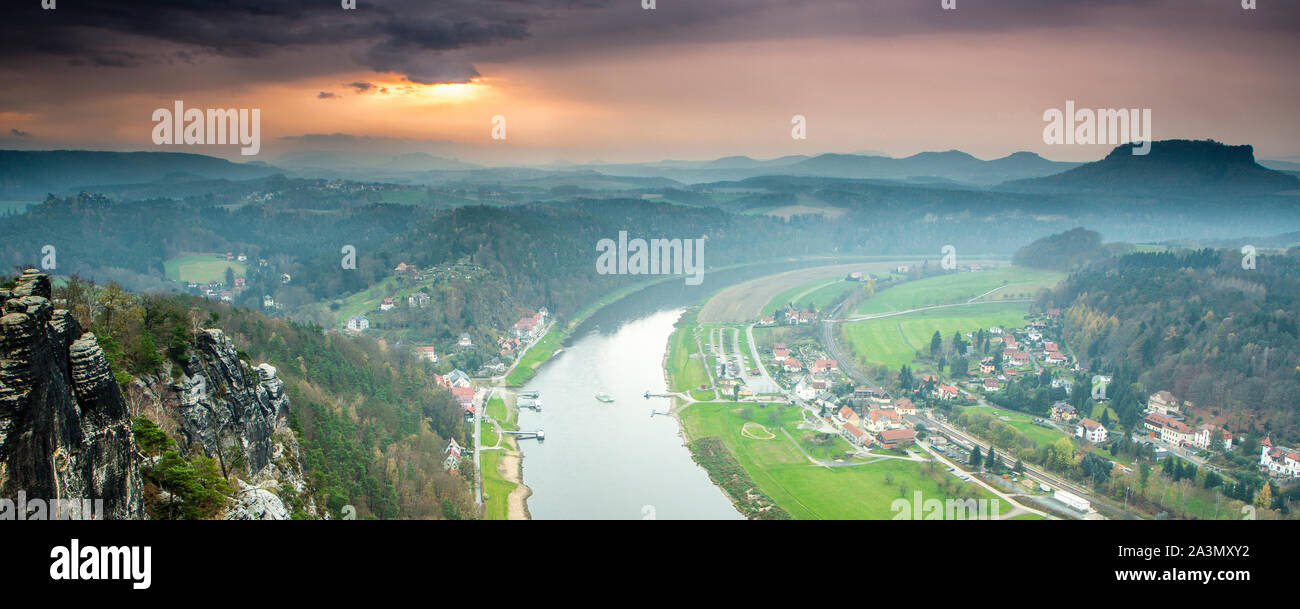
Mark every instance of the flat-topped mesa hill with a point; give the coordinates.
(1184, 167)
(65, 430)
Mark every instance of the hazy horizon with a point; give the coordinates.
(612, 82)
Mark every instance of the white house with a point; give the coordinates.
(457, 378)
(358, 323)
(1091, 431)
(1278, 460)
(804, 390)
(1204, 434)
(465, 341)
(1162, 402)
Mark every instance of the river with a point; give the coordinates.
(613, 460)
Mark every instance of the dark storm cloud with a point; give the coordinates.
(326, 95)
(439, 40)
(402, 36)
(19, 133)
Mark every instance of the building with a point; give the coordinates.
(1091, 431)
(855, 435)
(1162, 402)
(1067, 385)
(1205, 433)
(946, 392)
(1278, 460)
(386, 305)
(465, 396)
(465, 341)
(451, 456)
(897, 438)
(529, 328)
(428, 353)
(268, 302)
(1168, 429)
(822, 366)
(418, 300)
(880, 419)
(804, 389)
(458, 378)
(791, 365)
(848, 415)
(358, 323)
(1073, 500)
(1063, 411)
(904, 406)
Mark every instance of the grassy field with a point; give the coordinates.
(201, 268)
(685, 372)
(960, 287)
(495, 486)
(803, 488)
(893, 341)
(1025, 424)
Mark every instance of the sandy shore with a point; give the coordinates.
(512, 468)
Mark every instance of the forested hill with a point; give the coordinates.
(33, 173)
(1062, 252)
(1196, 324)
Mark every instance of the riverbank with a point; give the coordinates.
(505, 494)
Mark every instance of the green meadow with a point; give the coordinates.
(893, 341)
(996, 284)
(806, 489)
(201, 268)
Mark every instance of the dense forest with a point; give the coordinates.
(1198, 324)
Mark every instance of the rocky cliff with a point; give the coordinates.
(229, 410)
(65, 430)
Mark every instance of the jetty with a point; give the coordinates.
(528, 435)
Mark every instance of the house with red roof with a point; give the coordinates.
(848, 415)
(855, 435)
(1278, 460)
(946, 392)
(896, 438)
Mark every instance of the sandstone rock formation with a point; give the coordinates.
(65, 430)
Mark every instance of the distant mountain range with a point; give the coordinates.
(952, 166)
(31, 174)
(1181, 167)
(1173, 167)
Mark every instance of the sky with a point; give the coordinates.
(612, 81)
